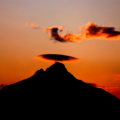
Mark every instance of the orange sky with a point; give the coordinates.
(20, 43)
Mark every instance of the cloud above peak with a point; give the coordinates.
(57, 58)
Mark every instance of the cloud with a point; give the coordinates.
(116, 93)
(103, 87)
(53, 32)
(92, 84)
(117, 77)
(106, 87)
(31, 25)
(2, 85)
(57, 57)
(91, 30)
(112, 90)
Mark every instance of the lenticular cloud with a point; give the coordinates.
(57, 57)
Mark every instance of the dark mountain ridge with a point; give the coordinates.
(55, 91)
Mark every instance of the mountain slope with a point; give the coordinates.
(57, 92)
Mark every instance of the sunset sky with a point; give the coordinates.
(23, 37)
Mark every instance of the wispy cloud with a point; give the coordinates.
(116, 77)
(32, 25)
(106, 87)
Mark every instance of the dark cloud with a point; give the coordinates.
(92, 84)
(2, 85)
(107, 87)
(54, 33)
(57, 57)
(90, 31)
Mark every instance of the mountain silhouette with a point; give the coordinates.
(56, 93)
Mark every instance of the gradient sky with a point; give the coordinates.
(19, 45)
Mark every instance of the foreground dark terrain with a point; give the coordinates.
(54, 93)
